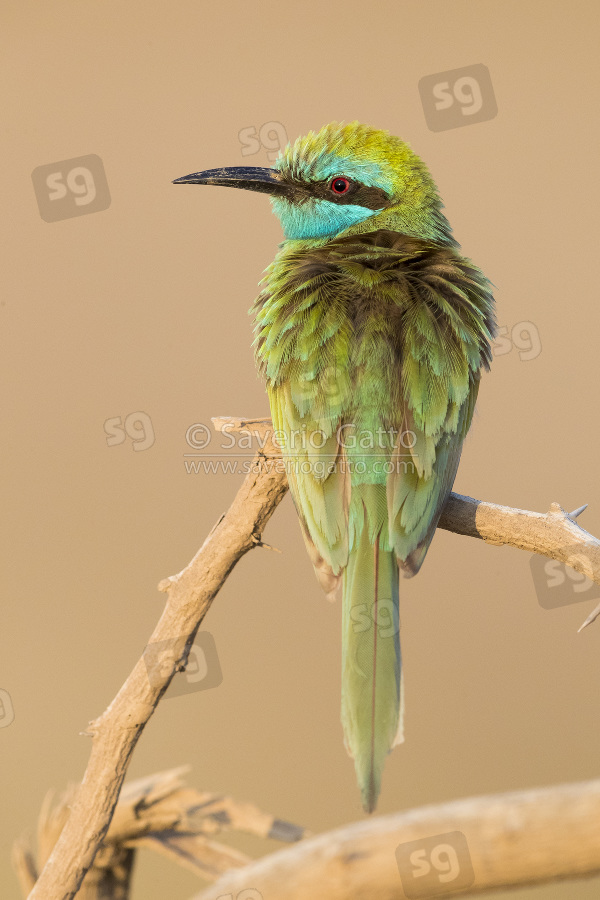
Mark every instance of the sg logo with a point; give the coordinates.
(557, 584)
(435, 865)
(137, 426)
(202, 672)
(524, 336)
(73, 187)
(272, 136)
(385, 615)
(250, 894)
(458, 97)
(7, 711)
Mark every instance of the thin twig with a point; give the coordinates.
(160, 813)
(554, 534)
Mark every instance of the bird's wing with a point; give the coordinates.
(421, 480)
(447, 327)
(303, 341)
(316, 471)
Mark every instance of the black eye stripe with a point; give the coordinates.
(358, 194)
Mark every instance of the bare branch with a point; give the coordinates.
(190, 594)
(512, 840)
(160, 813)
(554, 534)
(116, 732)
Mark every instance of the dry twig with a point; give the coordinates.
(161, 814)
(513, 840)
(554, 534)
(116, 732)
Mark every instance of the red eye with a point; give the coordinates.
(340, 185)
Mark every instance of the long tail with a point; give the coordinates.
(371, 661)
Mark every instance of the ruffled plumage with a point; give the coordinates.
(374, 342)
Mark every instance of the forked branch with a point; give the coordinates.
(190, 594)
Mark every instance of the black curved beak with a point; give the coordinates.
(250, 178)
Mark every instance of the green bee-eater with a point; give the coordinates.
(371, 332)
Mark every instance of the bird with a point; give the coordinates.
(372, 331)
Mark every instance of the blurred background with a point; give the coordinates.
(124, 324)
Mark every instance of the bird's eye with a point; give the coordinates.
(340, 185)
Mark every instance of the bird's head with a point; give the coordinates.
(343, 178)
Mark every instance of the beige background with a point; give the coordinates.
(143, 307)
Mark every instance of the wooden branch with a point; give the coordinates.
(110, 875)
(163, 814)
(512, 840)
(190, 594)
(554, 534)
(116, 732)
